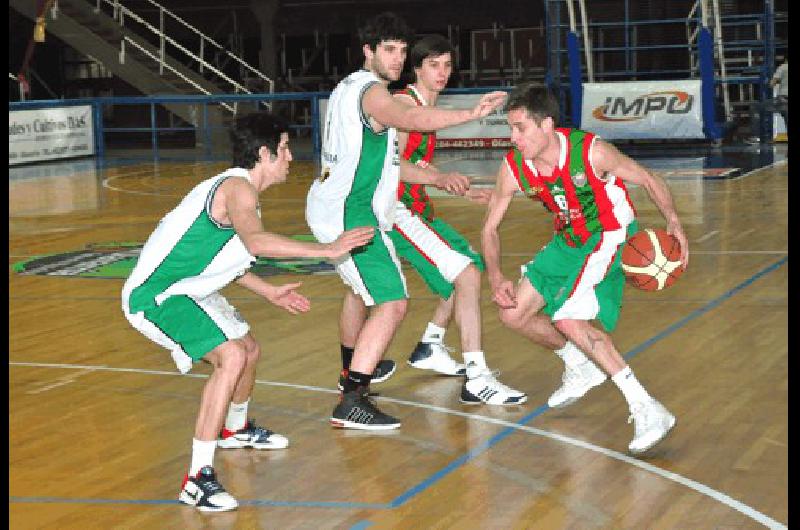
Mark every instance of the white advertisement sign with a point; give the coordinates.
(643, 109)
(47, 134)
(488, 132)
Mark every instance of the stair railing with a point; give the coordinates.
(120, 13)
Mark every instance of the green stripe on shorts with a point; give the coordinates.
(185, 322)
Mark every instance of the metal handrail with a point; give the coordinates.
(148, 53)
(120, 12)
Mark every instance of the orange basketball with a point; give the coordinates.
(651, 260)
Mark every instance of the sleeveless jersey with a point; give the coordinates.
(419, 150)
(189, 253)
(360, 168)
(583, 203)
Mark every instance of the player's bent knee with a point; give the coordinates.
(511, 318)
(469, 276)
(231, 359)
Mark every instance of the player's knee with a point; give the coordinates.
(232, 359)
(397, 309)
(511, 318)
(469, 276)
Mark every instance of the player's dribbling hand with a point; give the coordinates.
(285, 296)
(453, 183)
(488, 102)
(350, 239)
(503, 294)
(675, 229)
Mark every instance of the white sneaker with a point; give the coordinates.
(651, 423)
(435, 356)
(205, 493)
(575, 383)
(485, 388)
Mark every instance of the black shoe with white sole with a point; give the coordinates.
(205, 493)
(357, 411)
(383, 371)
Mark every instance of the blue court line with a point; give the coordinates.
(485, 446)
(470, 455)
(361, 525)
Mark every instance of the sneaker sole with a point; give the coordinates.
(254, 446)
(344, 424)
(654, 442)
(188, 501)
(479, 402)
(461, 372)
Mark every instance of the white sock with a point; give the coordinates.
(630, 387)
(433, 333)
(237, 416)
(571, 355)
(202, 455)
(476, 363)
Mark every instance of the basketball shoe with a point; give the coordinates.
(383, 371)
(251, 435)
(651, 422)
(575, 382)
(205, 493)
(435, 356)
(357, 411)
(485, 388)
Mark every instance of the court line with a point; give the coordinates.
(519, 425)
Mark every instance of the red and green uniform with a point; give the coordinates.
(419, 150)
(434, 248)
(578, 273)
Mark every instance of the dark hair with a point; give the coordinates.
(252, 131)
(429, 46)
(537, 99)
(383, 27)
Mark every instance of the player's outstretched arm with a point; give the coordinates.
(452, 182)
(379, 104)
(241, 200)
(608, 159)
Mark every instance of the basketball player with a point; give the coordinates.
(358, 185)
(442, 256)
(209, 240)
(577, 277)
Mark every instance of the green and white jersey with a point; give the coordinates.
(360, 167)
(189, 253)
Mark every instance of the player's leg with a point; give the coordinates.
(651, 420)
(352, 317)
(580, 374)
(239, 431)
(374, 274)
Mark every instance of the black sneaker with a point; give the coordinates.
(205, 493)
(383, 371)
(357, 411)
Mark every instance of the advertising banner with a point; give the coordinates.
(47, 134)
(643, 109)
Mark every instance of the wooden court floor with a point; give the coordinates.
(100, 422)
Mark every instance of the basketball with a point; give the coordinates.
(651, 260)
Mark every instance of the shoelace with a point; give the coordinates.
(570, 377)
(637, 410)
(255, 429)
(212, 486)
(488, 375)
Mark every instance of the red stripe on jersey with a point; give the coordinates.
(605, 209)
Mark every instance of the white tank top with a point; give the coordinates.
(360, 168)
(189, 253)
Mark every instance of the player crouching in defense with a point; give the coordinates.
(577, 277)
(209, 240)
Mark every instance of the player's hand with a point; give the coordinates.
(453, 183)
(479, 195)
(285, 296)
(349, 240)
(503, 293)
(488, 103)
(674, 228)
